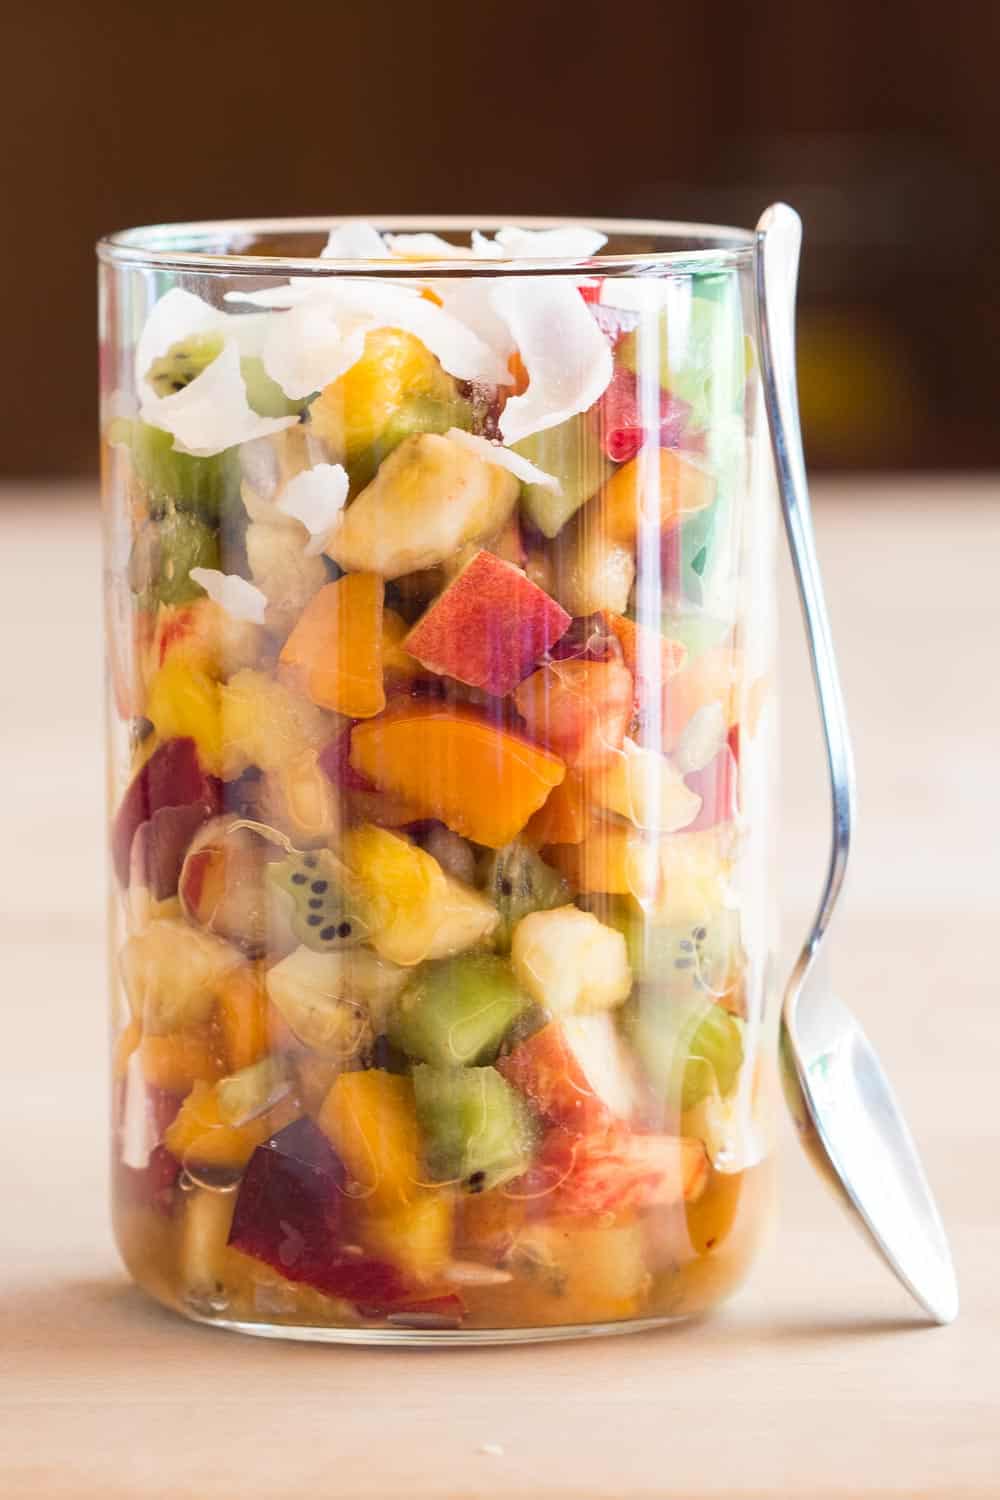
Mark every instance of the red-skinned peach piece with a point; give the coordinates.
(545, 1069)
(652, 658)
(580, 709)
(488, 627)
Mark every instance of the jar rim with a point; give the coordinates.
(209, 246)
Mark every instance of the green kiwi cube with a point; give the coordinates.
(687, 1047)
(327, 911)
(518, 881)
(477, 1130)
(571, 452)
(457, 1011)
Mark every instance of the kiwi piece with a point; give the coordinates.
(573, 454)
(478, 1131)
(518, 881)
(328, 911)
(183, 481)
(675, 960)
(183, 362)
(163, 554)
(687, 1047)
(457, 1011)
(264, 394)
(417, 414)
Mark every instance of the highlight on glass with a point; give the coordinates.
(439, 606)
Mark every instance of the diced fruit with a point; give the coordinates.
(687, 1048)
(414, 1236)
(703, 738)
(241, 1014)
(702, 360)
(697, 959)
(249, 1093)
(328, 909)
(488, 628)
(457, 1012)
(170, 780)
(567, 1271)
(570, 453)
(574, 1072)
(712, 677)
(223, 886)
(370, 1120)
(207, 636)
(600, 861)
(569, 961)
(200, 1136)
(398, 666)
(651, 658)
(335, 650)
(284, 572)
(618, 1170)
(183, 362)
(628, 416)
(204, 1260)
(183, 703)
(677, 877)
(177, 1062)
(353, 411)
(659, 488)
(333, 1002)
(154, 1184)
(182, 480)
(715, 784)
(648, 790)
(289, 1214)
(416, 910)
(482, 781)
(565, 816)
(518, 881)
(165, 551)
(580, 709)
(416, 414)
(266, 724)
(298, 798)
(170, 973)
(478, 1131)
(428, 499)
(454, 854)
(590, 570)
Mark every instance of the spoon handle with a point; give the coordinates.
(779, 238)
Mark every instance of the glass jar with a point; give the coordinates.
(439, 591)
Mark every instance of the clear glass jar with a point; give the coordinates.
(439, 587)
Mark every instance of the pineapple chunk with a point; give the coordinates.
(570, 962)
(265, 724)
(280, 567)
(183, 703)
(644, 787)
(429, 498)
(171, 971)
(351, 412)
(334, 1002)
(418, 912)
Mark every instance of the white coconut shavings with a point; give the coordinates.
(323, 336)
(566, 355)
(424, 247)
(212, 412)
(494, 453)
(316, 497)
(241, 600)
(354, 240)
(568, 242)
(176, 316)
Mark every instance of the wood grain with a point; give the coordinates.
(818, 1381)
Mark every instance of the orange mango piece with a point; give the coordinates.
(660, 487)
(175, 1063)
(599, 862)
(564, 817)
(199, 1135)
(335, 650)
(241, 1010)
(482, 781)
(370, 1119)
(415, 1236)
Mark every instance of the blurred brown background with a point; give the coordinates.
(879, 121)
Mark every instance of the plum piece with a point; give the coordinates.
(173, 796)
(289, 1214)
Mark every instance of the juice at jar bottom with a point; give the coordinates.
(439, 616)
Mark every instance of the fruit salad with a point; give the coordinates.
(439, 702)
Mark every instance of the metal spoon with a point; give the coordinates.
(845, 1110)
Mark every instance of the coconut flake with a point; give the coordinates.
(176, 316)
(212, 412)
(514, 463)
(567, 357)
(324, 335)
(424, 247)
(354, 240)
(241, 600)
(568, 242)
(316, 497)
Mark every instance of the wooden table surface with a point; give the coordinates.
(818, 1381)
